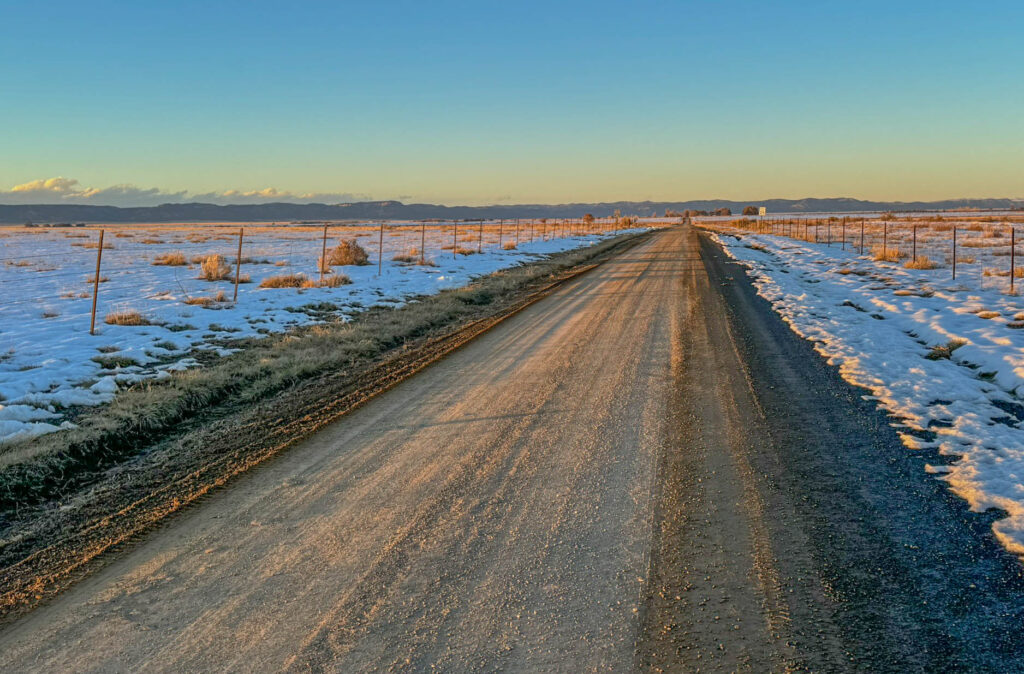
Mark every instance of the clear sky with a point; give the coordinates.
(493, 102)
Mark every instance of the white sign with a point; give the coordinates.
(762, 210)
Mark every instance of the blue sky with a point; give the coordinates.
(491, 102)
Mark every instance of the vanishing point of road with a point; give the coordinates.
(645, 470)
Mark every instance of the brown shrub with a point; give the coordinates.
(922, 262)
(214, 268)
(126, 317)
(887, 254)
(347, 252)
(284, 281)
(175, 259)
(509, 245)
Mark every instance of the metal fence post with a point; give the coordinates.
(96, 285)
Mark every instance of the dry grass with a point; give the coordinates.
(509, 245)
(175, 259)
(347, 252)
(987, 314)
(922, 262)
(335, 280)
(151, 241)
(944, 351)
(206, 301)
(331, 281)
(887, 254)
(126, 317)
(411, 256)
(94, 245)
(214, 268)
(459, 250)
(284, 281)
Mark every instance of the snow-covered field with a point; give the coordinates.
(945, 357)
(49, 361)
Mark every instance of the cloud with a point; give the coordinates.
(62, 190)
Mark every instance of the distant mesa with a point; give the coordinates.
(397, 210)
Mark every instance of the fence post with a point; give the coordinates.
(862, 236)
(954, 252)
(455, 239)
(238, 263)
(323, 256)
(885, 239)
(501, 231)
(844, 233)
(480, 238)
(915, 242)
(96, 285)
(423, 240)
(1013, 247)
(517, 232)
(380, 249)
(829, 227)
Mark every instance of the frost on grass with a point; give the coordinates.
(937, 354)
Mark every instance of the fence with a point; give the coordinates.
(203, 255)
(938, 242)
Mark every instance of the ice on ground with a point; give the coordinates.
(945, 357)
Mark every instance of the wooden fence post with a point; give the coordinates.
(844, 233)
(323, 256)
(238, 263)
(1013, 248)
(501, 231)
(517, 232)
(862, 236)
(885, 239)
(914, 256)
(423, 240)
(480, 239)
(96, 285)
(455, 239)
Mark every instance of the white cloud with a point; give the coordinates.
(62, 190)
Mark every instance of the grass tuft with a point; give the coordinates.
(214, 268)
(922, 262)
(945, 351)
(284, 281)
(347, 252)
(175, 259)
(126, 317)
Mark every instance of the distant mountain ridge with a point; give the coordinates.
(396, 210)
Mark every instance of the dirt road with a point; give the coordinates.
(643, 470)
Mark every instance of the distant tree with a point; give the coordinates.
(723, 211)
(750, 210)
(669, 213)
(588, 219)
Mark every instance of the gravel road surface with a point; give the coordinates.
(644, 470)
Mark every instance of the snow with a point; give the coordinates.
(49, 361)
(877, 322)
